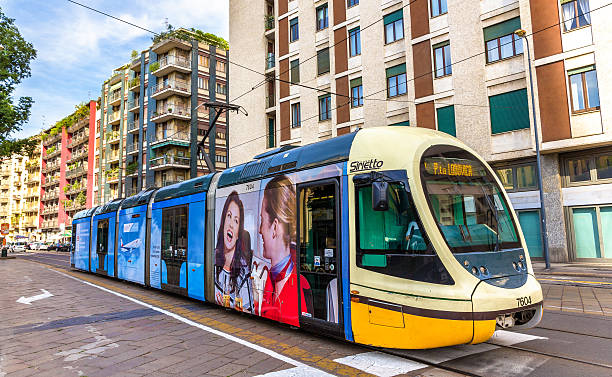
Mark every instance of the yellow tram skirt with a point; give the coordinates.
(381, 327)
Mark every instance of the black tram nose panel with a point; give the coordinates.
(504, 269)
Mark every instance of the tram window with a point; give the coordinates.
(393, 242)
(102, 236)
(174, 232)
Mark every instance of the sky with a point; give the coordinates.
(78, 49)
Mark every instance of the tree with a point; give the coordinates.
(15, 57)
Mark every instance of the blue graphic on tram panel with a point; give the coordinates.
(196, 241)
(155, 257)
(131, 253)
(81, 252)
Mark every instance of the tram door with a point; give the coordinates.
(319, 256)
(102, 247)
(174, 249)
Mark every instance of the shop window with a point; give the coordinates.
(442, 59)
(509, 111)
(446, 119)
(576, 14)
(579, 169)
(584, 91)
(438, 7)
(396, 80)
(501, 42)
(394, 26)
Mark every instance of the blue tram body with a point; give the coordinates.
(280, 237)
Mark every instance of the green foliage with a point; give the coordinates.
(187, 36)
(50, 150)
(131, 168)
(81, 198)
(134, 82)
(134, 54)
(14, 67)
(153, 66)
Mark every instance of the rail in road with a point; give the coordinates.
(565, 343)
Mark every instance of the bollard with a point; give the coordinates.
(3, 253)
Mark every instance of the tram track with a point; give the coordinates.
(575, 333)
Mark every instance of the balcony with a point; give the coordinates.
(78, 125)
(32, 194)
(51, 167)
(54, 152)
(113, 137)
(115, 77)
(77, 155)
(269, 22)
(131, 169)
(181, 138)
(49, 224)
(51, 195)
(113, 157)
(134, 105)
(75, 171)
(50, 210)
(112, 175)
(52, 139)
(270, 101)
(133, 148)
(270, 61)
(51, 181)
(170, 63)
(169, 162)
(169, 111)
(133, 126)
(169, 88)
(168, 44)
(130, 191)
(135, 63)
(134, 84)
(78, 139)
(75, 188)
(115, 98)
(114, 118)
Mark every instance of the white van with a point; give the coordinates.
(18, 246)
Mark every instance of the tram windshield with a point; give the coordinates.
(466, 201)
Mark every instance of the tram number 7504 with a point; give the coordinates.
(523, 301)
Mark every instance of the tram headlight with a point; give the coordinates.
(520, 264)
(466, 263)
(521, 257)
(474, 270)
(515, 266)
(483, 270)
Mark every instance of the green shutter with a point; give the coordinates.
(355, 82)
(509, 111)
(397, 70)
(404, 124)
(271, 132)
(323, 61)
(446, 120)
(580, 70)
(501, 29)
(441, 44)
(392, 17)
(295, 72)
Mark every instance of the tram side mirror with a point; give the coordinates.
(379, 196)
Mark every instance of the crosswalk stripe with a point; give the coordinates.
(380, 364)
(303, 371)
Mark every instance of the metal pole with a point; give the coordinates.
(522, 34)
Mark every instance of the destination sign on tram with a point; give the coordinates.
(451, 167)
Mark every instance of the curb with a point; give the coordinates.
(585, 274)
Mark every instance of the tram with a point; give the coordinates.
(396, 237)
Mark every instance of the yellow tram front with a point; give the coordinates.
(437, 254)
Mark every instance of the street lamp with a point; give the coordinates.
(523, 34)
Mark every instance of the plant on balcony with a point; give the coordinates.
(134, 82)
(134, 54)
(50, 150)
(81, 198)
(67, 188)
(153, 66)
(67, 203)
(269, 21)
(131, 168)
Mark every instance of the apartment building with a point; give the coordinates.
(67, 171)
(153, 118)
(31, 196)
(327, 67)
(12, 189)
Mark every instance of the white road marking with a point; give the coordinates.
(93, 349)
(297, 372)
(189, 322)
(443, 354)
(564, 307)
(30, 300)
(380, 364)
(508, 338)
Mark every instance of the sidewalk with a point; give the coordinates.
(585, 269)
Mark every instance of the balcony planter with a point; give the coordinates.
(153, 66)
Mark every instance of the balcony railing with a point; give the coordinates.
(50, 195)
(78, 125)
(270, 60)
(49, 224)
(132, 125)
(270, 101)
(133, 148)
(50, 210)
(173, 60)
(170, 109)
(132, 104)
(115, 96)
(78, 154)
(52, 139)
(112, 136)
(114, 117)
(134, 83)
(77, 139)
(170, 135)
(75, 171)
(170, 160)
(180, 86)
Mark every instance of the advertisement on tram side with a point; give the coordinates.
(81, 254)
(255, 246)
(131, 253)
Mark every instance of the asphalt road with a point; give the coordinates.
(573, 339)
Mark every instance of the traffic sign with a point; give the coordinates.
(4, 228)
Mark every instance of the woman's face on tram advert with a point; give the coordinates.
(231, 226)
(277, 215)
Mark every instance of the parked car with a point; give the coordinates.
(43, 246)
(18, 246)
(32, 246)
(64, 247)
(52, 245)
